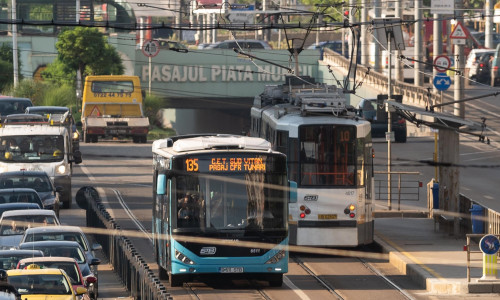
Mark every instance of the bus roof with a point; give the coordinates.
(199, 143)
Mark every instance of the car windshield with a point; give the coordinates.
(39, 183)
(42, 284)
(13, 106)
(15, 225)
(70, 268)
(32, 148)
(56, 236)
(64, 251)
(16, 196)
(9, 262)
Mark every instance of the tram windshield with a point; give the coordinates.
(253, 201)
(327, 155)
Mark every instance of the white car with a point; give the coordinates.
(237, 44)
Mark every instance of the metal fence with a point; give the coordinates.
(403, 188)
(127, 263)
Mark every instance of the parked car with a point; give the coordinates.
(16, 206)
(484, 68)
(377, 116)
(332, 45)
(61, 113)
(16, 119)
(13, 105)
(14, 223)
(172, 45)
(67, 264)
(37, 180)
(237, 44)
(67, 249)
(495, 67)
(43, 284)
(10, 258)
(472, 64)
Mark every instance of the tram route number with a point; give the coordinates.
(231, 269)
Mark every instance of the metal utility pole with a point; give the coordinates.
(15, 61)
(377, 10)
(364, 36)
(398, 64)
(418, 46)
(488, 22)
(389, 126)
(459, 108)
(437, 41)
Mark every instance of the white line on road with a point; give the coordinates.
(294, 288)
(131, 215)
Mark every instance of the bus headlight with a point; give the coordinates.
(277, 257)
(61, 169)
(183, 258)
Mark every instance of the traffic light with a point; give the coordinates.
(346, 18)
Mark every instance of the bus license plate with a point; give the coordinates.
(231, 270)
(327, 217)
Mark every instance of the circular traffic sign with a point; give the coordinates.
(442, 63)
(489, 244)
(151, 48)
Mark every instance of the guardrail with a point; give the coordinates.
(404, 189)
(412, 94)
(472, 247)
(127, 263)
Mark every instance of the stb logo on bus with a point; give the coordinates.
(208, 251)
(311, 198)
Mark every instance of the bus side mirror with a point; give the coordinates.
(160, 184)
(293, 191)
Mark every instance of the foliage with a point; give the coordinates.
(152, 104)
(87, 49)
(6, 53)
(6, 75)
(58, 72)
(28, 88)
(156, 133)
(55, 95)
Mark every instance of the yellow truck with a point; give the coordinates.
(113, 107)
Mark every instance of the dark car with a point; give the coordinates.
(375, 113)
(10, 258)
(13, 195)
(484, 68)
(332, 45)
(67, 249)
(13, 105)
(37, 180)
(16, 119)
(17, 206)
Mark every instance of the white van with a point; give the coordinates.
(40, 147)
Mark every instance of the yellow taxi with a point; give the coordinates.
(37, 283)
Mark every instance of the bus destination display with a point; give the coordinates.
(225, 164)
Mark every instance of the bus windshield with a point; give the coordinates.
(254, 201)
(32, 148)
(327, 155)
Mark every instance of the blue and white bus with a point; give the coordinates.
(329, 154)
(220, 206)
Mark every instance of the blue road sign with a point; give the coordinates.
(442, 81)
(489, 244)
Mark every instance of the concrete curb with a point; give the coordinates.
(420, 274)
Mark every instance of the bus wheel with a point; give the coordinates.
(275, 280)
(162, 273)
(175, 280)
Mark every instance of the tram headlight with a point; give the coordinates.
(183, 258)
(277, 257)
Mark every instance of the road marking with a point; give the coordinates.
(87, 172)
(131, 215)
(294, 288)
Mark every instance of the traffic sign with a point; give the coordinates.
(489, 244)
(442, 81)
(442, 63)
(458, 32)
(151, 48)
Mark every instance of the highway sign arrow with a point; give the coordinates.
(442, 81)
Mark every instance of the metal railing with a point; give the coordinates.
(472, 247)
(134, 272)
(404, 189)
